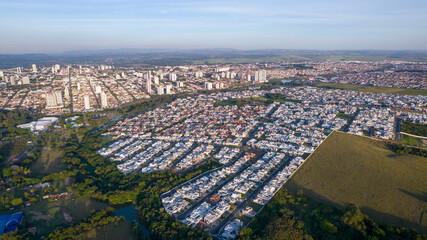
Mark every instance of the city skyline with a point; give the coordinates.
(54, 27)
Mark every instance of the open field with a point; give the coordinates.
(46, 215)
(373, 89)
(48, 162)
(121, 230)
(348, 169)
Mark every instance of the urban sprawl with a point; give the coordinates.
(259, 143)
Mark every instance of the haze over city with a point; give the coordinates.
(57, 26)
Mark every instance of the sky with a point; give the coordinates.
(55, 26)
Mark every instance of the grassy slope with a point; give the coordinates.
(361, 88)
(349, 169)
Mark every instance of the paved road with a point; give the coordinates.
(216, 230)
(112, 92)
(350, 121)
(8, 100)
(93, 92)
(397, 128)
(127, 90)
(23, 98)
(194, 206)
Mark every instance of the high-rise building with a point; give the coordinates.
(25, 80)
(168, 89)
(208, 85)
(148, 86)
(78, 86)
(198, 74)
(54, 100)
(98, 89)
(149, 75)
(264, 75)
(12, 80)
(59, 99)
(34, 67)
(160, 90)
(87, 102)
(66, 93)
(104, 103)
(57, 67)
(18, 70)
(50, 100)
(172, 77)
(179, 84)
(219, 85)
(1, 74)
(156, 80)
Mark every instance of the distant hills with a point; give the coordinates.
(141, 57)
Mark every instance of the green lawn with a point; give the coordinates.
(373, 89)
(348, 169)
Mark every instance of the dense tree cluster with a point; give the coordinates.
(10, 118)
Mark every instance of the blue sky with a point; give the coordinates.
(47, 26)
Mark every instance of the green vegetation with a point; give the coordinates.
(412, 141)
(10, 118)
(373, 89)
(414, 128)
(13, 148)
(400, 149)
(343, 116)
(99, 218)
(277, 97)
(348, 169)
(116, 230)
(46, 215)
(267, 99)
(295, 216)
(48, 162)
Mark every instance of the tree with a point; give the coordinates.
(245, 233)
(17, 201)
(354, 217)
(328, 227)
(7, 172)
